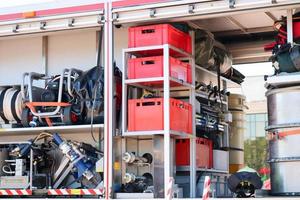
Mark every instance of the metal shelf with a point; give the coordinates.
(157, 50)
(166, 83)
(64, 129)
(211, 74)
(156, 82)
(205, 96)
(187, 168)
(176, 134)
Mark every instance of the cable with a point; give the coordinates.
(96, 86)
(219, 86)
(42, 136)
(7, 172)
(92, 114)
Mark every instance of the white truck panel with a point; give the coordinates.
(120, 42)
(72, 50)
(18, 56)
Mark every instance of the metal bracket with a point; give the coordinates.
(15, 28)
(152, 13)
(191, 8)
(115, 16)
(42, 25)
(71, 22)
(101, 19)
(231, 3)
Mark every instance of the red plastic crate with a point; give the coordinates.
(182, 152)
(148, 115)
(204, 153)
(296, 29)
(148, 67)
(158, 35)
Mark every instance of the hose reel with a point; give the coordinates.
(11, 105)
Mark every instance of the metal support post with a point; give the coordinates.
(31, 169)
(45, 54)
(109, 119)
(167, 140)
(289, 19)
(193, 170)
(124, 92)
(98, 42)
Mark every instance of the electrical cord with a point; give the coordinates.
(92, 114)
(7, 172)
(96, 86)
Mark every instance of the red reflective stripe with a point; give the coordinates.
(29, 192)
(92, 7)
(135, 2)
(9, 192)
(91, 191)
(11, 16)
(55, 11)
(58, 192)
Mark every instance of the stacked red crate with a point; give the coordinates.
(158, 35)
(204, 153)
(148, 115)
(148, 67)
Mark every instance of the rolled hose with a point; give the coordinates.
(12, 105)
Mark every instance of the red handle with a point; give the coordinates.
(148, 30)
(148, 102)
(148, 62)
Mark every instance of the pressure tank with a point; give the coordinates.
(236, 105)
(284, 139)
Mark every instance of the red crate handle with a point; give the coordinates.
(147, 102)
(148, 30)
(148, 62)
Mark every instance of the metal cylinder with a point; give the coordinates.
(284, 163)
(284, 148)
(236, 104)
(282, 107)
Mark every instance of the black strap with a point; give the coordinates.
(1, 105)
(13, 106)
(235, 149)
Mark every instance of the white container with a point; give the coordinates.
(221, 160)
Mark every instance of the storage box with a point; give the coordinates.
(148, 115)
(158, 35)
(204, 153)
(296, 29)
(148, 67)
(221, 160)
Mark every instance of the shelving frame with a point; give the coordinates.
(166, 87)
